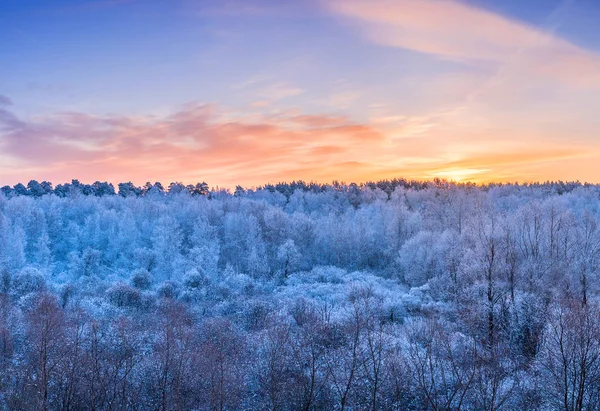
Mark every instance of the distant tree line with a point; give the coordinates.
(98, 188)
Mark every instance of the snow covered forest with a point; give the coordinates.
(396, 295)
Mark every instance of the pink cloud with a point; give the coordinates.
(203, 142)
(455, 30)
(191, 144)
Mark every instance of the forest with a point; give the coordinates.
(390, 295)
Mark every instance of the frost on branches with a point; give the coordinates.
(382, 296)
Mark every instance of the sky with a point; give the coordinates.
(251, 92)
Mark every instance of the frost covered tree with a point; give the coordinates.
(166, 246)
(387, 295)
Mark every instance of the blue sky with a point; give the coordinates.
(320, 90)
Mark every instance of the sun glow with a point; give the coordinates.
(460, 174)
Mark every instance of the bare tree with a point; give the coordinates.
(45, 336)
(495, 381)
(221, 364)
(571, 356)
(441, 365)
(346, 354)
(173, 353)
(588, 255)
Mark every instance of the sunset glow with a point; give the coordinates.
(260, 91)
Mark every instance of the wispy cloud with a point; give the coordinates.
(455, 30)
(205, 142)
(197, 142)
(254, 8)
(266, 90)
(5, 101)
(280, 91)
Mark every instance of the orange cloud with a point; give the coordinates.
(203, 142)
(196, 143)
(326, 150)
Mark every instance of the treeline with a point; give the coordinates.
(99, 189)
(441, 297)
(36, 189)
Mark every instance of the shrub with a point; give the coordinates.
(194, 280)
(124, 296)
(141, 279)
(28, 280)
(168, 289)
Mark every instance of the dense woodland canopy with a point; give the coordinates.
(382, 296)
